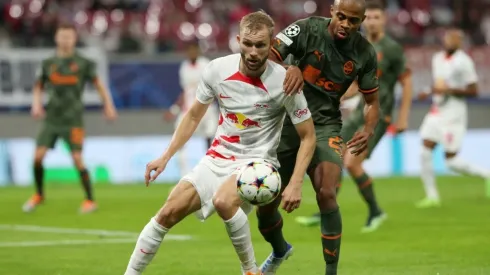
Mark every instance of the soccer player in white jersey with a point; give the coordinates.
(190, 72)
(455, 79)
(249, 90)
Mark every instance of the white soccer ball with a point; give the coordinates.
(258, 183)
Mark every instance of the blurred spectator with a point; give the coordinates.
(164, 25)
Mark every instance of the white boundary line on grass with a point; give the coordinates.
(130, 237)
(65, 242)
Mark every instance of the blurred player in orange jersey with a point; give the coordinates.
(64, 76)
(189, 75)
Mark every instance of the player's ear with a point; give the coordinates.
(331, 11)
(238, 39)
(363, 18)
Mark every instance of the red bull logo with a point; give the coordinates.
(241, 121)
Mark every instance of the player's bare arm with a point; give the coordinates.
(406, 102)
(470, 91)
(37, 108)
(109, 109)
(182, 134)
(359, 143)
(291, 196)
(351, 92)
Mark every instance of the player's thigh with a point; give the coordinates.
(431, 128)
(326, 167)
(453, 136)
(47, 137)
(206, 180)
(182, 201)
(227, 197)
(74, 137)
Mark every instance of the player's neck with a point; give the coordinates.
(375, 37)
(64, 53)
(246, 72)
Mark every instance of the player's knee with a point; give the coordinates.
(327, 197)
(222, 203)
(167, 216)
(39, 157)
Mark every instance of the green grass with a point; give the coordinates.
(453, 239)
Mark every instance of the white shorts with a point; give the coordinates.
(449, 134)
(209, 123)
(207, 177)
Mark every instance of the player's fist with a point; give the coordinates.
(359, 143)
(110, 112)
(401, 126)
(157, 166)
(293, 83)
(291, 197)
(37, 111)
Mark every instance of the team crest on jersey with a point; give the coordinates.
(73, 67)
(292, 30)
(348, 67)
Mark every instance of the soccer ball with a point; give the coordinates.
(258, 183)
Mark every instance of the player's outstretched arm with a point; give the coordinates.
(37, 108)
(406, 102)
(300, 115)
(109, 109)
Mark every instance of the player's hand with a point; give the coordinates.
(359, 143)
(37, 111)
(168, 116)
(293, 83)
(110, 112)
(157, 166)
(401, 126)
(423, 96)
(291, 197)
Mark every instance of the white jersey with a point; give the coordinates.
(252, 110)
(189, 77)
(457, 71)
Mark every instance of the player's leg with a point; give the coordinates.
(324, 173)
(430, 133)
(270, 221)
(364, 182)
(75, 137)
(228, 206)
(182, 201)
(453, 138)
(46, 139)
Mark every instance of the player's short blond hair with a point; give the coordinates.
(257, 21)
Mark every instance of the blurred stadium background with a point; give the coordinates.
(138, 46)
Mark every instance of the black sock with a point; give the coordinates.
(365, 185)
(87, 186)
(270, 226)
(331, 228)
(39, 178)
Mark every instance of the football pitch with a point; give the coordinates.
(56, 240)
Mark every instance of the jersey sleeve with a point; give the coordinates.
(42, 74)
(469, 72)
(400, 67)
(91, 71)
(291, 40)
(297, 108)
(205, 92)
(367, 77)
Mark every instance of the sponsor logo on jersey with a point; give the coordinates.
(241, 121)
(261, 105)
(348, 67)
(312, 75)
(292, 31)
(301, 112)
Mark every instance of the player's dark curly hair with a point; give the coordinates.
(66, 26)
(256, 21)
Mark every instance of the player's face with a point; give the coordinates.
(347, 17)
(193, 52)
(66, 39)
(254, 47)
(452, 40)
(375, 21)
